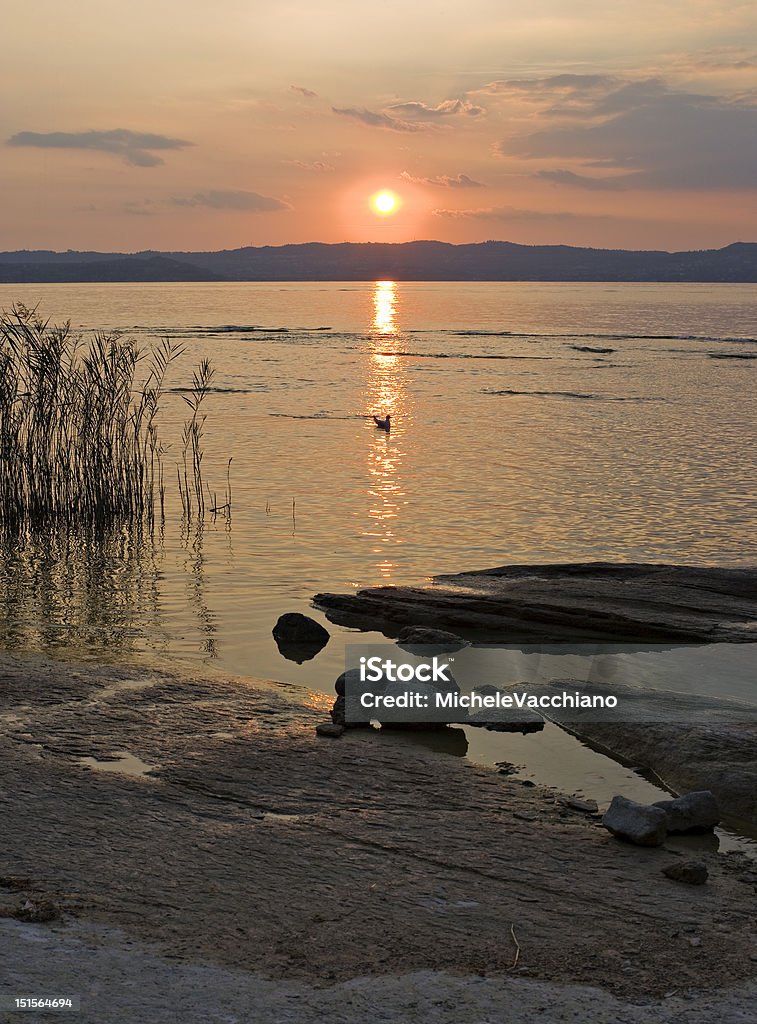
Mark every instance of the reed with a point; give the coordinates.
(79, 441)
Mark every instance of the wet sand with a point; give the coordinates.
(243, 842)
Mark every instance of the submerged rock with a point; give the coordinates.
(641, 824)
(692, 812)
(430, 641)
(298, 637)
(693, 872)
(577, 804)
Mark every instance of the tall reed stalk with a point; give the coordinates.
(79, 440)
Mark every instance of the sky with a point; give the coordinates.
(181, 124)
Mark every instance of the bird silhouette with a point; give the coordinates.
(385, 424)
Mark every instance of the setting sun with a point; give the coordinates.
(385, 202)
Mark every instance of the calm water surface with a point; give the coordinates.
(531, 422)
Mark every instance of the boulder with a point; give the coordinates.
(502, 719)
(693, 872)
(692, 812)
(338, 716)
(332, 729)
(411, 718)
(351, 676)
(298, 637)
(642, 824)
(430, 641)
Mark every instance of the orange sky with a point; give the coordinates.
(185, 125)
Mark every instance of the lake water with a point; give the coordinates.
(531, 422)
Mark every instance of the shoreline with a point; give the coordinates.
(249, 843)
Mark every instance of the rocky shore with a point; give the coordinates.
(625, 603)
(203, 820)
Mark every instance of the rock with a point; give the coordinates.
(695, 743)
(37, 911)
(432, 641)
(333, 729)
(641, 824)
(298, 637)
(693, 872)
(411, 718)
(502, 719)
(338, 716)
(586, 806)
(638, 603)
(692, 812)
(351, 676)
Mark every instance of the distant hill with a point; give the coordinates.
(371, 261)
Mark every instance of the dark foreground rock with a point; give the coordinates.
(692, 812)
(298, 637)
(692, 872)
(633, 603)
(641, 824)
(330, 729)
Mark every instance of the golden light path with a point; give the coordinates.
(385, 393)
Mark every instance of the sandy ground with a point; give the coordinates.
(308, 877)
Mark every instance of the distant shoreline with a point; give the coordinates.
(371, 261)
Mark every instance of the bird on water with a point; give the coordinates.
(385, 424)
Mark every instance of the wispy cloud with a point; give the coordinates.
(423, 112)
(307, 93)
(217, 199)
(135, 148)
(648, 134)
(512, 213)
(444, 180)
(319, 166)
(378, 120)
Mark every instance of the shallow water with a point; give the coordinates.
(531, 422)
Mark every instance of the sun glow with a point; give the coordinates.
(385, 202)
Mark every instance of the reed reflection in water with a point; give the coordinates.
(96, 593)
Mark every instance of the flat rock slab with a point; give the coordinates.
(690, 743)
(257, 846)
(593, 601)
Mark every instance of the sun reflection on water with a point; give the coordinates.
(386, 394)
(385, 307)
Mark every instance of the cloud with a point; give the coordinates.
(307, 93)
(444, 180)
(567, 83)
(422, 112)
(216, 199)
(138, 207)
(136, 148)
(377, 120)
(513, 213)
(657, 136)
(319, 166)
(605, 184)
